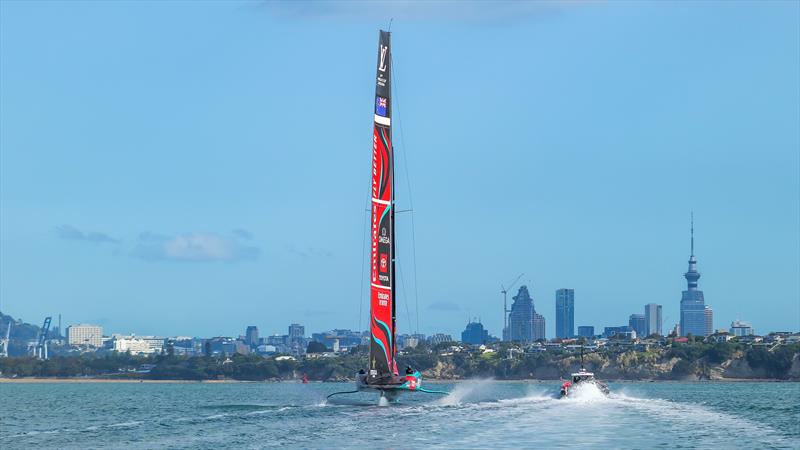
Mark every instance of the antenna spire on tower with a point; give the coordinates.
(692, 232)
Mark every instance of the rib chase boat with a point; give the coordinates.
(382, 375)
(582, 378)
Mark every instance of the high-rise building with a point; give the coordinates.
(565, 313)
(653, 319)
(693, 307)
(475, 334)
(251, 336)
(586, 331)
(296, 332)
(85, 335)
(741, 328)
(520, 319)
(637, 323)
(709, 321)
(538, 327)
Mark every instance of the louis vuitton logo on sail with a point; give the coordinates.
(382, 65)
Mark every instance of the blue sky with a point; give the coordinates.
(190, 169)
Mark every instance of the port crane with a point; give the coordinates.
(40, 351)
(504, 291)
(5, 341)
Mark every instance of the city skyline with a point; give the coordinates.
(526, 324)
(565, 311)
(166, 182)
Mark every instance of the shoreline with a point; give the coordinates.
(42, 380)
(34, 380)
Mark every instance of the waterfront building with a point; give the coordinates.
(186, 345)
(520, 319)
(538, 327)
(338, 338)
(251, 336)
(407, 341)
(439, 338)
(222, 345)
(586, 331)
(85, 335)
(132, 344)
(277, 340)
(611, 331)
(741, 328)
(565, 313)
(241, 347)
(475, 334)
(637, 323)
(693, 307)
(156, 343)
(266, 349)
(653, 319)
(297, 341)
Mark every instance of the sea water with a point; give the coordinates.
(476, 414)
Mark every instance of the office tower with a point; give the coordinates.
(565, 313)
(637, 323)
(709, 321)
(538, 327)
(251, 336)
(653, 319)
(586, 331)
(520, 319)
(296, 332)
(474, 334)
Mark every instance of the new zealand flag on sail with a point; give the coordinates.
(380, 106)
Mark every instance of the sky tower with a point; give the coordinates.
(693, 308)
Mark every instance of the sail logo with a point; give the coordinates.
(380, 106)
(383, 299)
(384, 262)
(382, 65)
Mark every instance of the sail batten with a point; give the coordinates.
(382, 284)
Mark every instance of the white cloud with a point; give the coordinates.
(193, 247)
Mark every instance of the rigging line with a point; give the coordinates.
(364, 233)
(408, 183)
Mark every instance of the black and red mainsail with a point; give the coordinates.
(383, 375)
(382, 283)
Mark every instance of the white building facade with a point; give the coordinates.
(85, 335)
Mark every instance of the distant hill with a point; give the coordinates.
(21, 334)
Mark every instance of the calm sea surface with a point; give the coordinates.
(477, 414)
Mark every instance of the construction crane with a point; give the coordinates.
(504, 291)
(41, 346)
(4, 342)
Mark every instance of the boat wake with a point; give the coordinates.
(469, 391)
(540, 416)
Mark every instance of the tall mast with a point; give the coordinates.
(382, 232)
